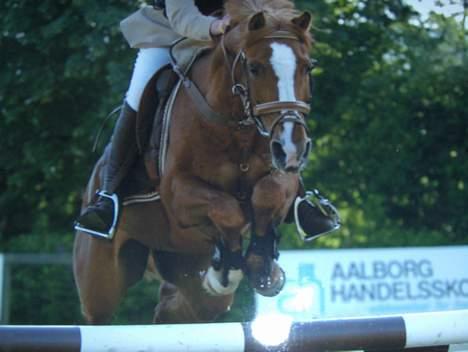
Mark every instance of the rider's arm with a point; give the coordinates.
(186, 20)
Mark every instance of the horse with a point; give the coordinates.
(231, 174)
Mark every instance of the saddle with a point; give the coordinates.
(142, 182)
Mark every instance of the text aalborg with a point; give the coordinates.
(393, 281)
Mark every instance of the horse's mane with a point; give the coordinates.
(241, 10)
(278, 15)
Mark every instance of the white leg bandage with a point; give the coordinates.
(148, 61)
(212, 282)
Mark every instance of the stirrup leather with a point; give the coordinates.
(110, 233)
(324, 210)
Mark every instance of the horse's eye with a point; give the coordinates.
(254, 68)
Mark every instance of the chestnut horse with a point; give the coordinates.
(231, 173)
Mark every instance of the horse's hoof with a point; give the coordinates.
(270, 286)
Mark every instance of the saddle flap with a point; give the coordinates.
(143, 178)
(154, 95)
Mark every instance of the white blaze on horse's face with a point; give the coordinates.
(283, 60)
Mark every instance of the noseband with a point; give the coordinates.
(290, 111)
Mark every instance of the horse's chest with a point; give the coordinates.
(227, 174)
(218, 171)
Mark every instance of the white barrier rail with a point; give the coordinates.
(391, 333)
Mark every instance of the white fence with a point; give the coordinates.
(434, 331)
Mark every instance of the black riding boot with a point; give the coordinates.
(99, 218)
(313, 214)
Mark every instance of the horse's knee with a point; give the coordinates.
(275, 187)
(226, 213)
(272, 198)
(269, 193)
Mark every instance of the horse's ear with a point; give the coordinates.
(303, 21)
(257, 21)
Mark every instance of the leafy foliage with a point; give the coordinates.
(389, 121)
(64, 65)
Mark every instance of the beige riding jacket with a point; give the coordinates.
(149, 27)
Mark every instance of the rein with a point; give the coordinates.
(196, 95)
(290, 111)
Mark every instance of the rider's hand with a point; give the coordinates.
(219, 26)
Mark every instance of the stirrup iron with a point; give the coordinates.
(110, 233)
(327, 216)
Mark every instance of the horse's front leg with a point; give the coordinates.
(194, 204)
(271, 199)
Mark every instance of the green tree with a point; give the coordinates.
(64, 65)
(390, 123)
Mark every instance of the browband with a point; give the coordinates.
(281, 34)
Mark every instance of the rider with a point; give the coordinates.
(153, 29)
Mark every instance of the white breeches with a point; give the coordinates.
(148, 61)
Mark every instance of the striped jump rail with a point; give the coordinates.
(433, 331)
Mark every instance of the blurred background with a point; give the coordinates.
(389, 125)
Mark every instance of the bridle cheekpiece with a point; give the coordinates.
(290, 111)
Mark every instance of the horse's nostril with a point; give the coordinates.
(278, 152)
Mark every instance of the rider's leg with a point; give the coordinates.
(149, 60)
(123, 147)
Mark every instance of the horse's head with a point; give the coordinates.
(270, 67)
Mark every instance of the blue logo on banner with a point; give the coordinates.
(304, 297)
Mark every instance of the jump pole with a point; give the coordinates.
(391, 333)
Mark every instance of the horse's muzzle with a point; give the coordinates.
(290, 157)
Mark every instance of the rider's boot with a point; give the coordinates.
(313, 214)
(100, 217)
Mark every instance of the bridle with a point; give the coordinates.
(290, 111)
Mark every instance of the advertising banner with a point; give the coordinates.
(358, 282)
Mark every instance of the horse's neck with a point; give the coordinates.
(214, 80)
(212, 74)
(239, 145)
